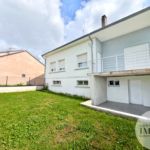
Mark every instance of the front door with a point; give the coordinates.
(135, 92)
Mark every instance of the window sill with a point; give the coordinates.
(57, 71)
(82, 86)
(57, 85)
(81, 68)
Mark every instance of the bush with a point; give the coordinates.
(20, 84)
(45, 86)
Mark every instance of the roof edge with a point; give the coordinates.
(114, 23)
(20, 51)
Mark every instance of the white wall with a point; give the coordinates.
(98, 89)
(72, 74)
(121, 93)
(69, 85)
(20, 89)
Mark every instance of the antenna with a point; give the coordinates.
(83, 32)
(11, 48)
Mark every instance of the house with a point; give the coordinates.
(110, 64)
(20, 67)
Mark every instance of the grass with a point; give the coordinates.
(44, 120)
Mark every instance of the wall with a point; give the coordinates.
(71, 74)
(69, 85)
(121, 94)
(15, 65)
(98, 89)
(20, 63)
(20, 89)
(116, 46)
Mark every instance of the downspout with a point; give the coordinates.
(44, 71)
(91, 45)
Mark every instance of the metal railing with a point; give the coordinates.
(128, 61)
(21, 81)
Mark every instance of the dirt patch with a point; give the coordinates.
(49, 101)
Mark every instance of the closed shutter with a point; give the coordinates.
(53, 65)
(82, 58)
(137, 57)
(62, 64)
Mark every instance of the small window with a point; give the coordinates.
(53, 66)
(114, 83)
(111, 83)
(57, 82)
(62, 65)
(82, 82)
(23, 75)
(117, 83)
(82, 61)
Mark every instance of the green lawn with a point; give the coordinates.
(42, 120)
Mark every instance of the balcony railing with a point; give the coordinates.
(129, 61)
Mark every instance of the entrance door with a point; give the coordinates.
(135, 92)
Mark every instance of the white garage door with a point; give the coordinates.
(137, 57)
(135, 92)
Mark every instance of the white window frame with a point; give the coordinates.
(52, 69)
(83, 83)
(56, 82)
(114, 83)
(84, 63)
(61, 69)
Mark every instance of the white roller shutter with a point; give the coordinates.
(82, 58)
(137, 57)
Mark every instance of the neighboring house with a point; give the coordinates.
(20, 67)
(115, 66)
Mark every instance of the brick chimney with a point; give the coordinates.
(104, 21)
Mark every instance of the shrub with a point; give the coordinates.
(45, 86)
(20, 84)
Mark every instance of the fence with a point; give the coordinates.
(128, 61)
(21, 81)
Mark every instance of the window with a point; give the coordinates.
(53, 66)
(113, 83)
(82, 61)
(23, 75)
(117, 83)
(82, 83)
(57, 82)
(62, 65)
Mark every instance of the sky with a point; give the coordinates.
(43, 25)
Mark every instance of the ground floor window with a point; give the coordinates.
(81, 82)
(57, 82)
(114, 83)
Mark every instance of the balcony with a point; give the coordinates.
(125, 62)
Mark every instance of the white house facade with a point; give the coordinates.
(109, 64)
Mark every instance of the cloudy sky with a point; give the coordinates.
(42, 25)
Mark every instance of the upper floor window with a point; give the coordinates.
(62, 65)
(53, 66)
(82, 61)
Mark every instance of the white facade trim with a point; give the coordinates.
(81, 68)
(57, 71)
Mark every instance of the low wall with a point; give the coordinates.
(19, 89)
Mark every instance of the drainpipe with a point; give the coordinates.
(44, 70)
(91, 45)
